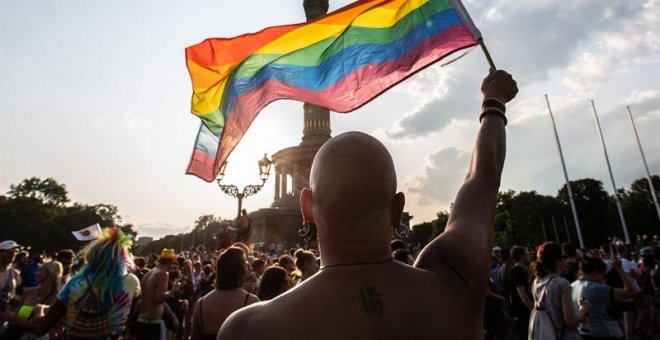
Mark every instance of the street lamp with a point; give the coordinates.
(249, 190)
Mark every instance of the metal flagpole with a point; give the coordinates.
(568, 184)
(646, 167)
(545, 236)
(568, 235)
(554, 226)
(609, 168)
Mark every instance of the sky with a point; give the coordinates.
(96, 95)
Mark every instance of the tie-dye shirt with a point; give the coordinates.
(74, 290)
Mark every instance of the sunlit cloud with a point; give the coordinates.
(135, 122)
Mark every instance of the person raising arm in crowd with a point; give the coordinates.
(354, 205)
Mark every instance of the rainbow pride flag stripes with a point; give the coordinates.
(340, 61)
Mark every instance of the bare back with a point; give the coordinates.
(152, 284)
(385, 301)
(212, 310)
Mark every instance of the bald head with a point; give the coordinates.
(353, 179)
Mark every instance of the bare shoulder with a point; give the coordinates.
(157, 275)
(240, 324)
(252, 299)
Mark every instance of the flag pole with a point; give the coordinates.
(568, 235)
(609, 168)
(487, 54)
(545, 236)
(568, 184)
(646, 167)
(554, 226)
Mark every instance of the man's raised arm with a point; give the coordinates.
(464, 248)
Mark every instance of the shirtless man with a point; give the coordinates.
(360, 292)
(9, 276)
(154, 298)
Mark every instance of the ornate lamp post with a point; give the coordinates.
(249, 190)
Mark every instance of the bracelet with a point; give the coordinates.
(494, 112)
(494, 103)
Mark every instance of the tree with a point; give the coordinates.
(420, 234)
(519, 217)
(34, 213)
(47, 191)
(439, 224)
(639, 208)
(596, 210)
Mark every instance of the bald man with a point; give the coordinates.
(360, 292)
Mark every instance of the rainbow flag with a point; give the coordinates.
(340, 61)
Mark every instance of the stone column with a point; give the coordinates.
(295, 181)
(315, 8)
(316, 125)
(285, 181)
(277, 184)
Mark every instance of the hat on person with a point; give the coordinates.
(168, 254)
(9, 245)
(497, 248)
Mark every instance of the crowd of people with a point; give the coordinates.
(164, 296)
(610, 292)
(606, 293)
(358, 283)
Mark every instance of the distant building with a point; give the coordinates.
(144, 240)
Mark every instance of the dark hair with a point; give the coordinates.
(258, 263)
(65, 254)
(207, 269)
(517, 253)
(648, 261)
(21, 255)
(273, 283)
(230, 269)
(589, 265)
(397, 244)
(546, 258)
(166, 261)
(284, 260)
(621, 248)
(505, 254)
(401, 255)
(303, 257)
(568, 249)
(140, 261)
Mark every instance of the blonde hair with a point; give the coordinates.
(53, 281)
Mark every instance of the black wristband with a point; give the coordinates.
(494, 112)
(492, 102)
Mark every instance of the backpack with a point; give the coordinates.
(540, 324)
(92, 321)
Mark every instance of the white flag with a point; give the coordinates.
(87, 234)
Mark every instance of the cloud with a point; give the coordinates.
(443, 172)
(580, 42)
(99, 121)
(644, 104)
(159, 229)
(136, 122)
(533, 161)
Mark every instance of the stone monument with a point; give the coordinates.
(281, 221)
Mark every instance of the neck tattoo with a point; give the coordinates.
(356, 264)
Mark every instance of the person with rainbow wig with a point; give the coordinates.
(96, 302)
